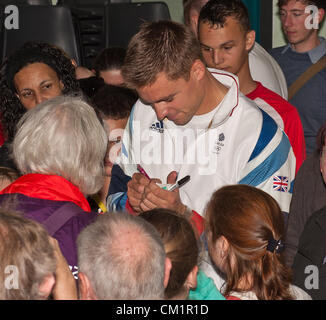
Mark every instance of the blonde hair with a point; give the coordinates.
(162, 46)
(24, 246)
(180, 245)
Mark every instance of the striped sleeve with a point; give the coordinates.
(122, 171)
(271, 166)
(116, 200)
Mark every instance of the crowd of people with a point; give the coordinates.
(174, 169)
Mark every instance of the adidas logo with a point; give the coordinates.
(157, 126)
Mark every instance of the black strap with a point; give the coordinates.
(59, 217)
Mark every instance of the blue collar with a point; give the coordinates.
(314, 54)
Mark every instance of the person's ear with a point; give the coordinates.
(16, 92)
(197, 70)
(321, 14)
(86, 291)
(191, 281)
(73, 62)
(46, 286)
(224, 246)
(322, 158)
(250, 39)
(61, 85)
(221, 248)
(167, 271)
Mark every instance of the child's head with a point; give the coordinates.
(28, 260)
(108, 65)
(181, 248)
(244, 227)
(114, 105)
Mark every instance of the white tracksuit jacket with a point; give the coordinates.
(238, 144)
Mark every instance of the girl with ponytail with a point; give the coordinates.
(245, 230)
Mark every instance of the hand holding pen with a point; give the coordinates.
(142, 171)
(136, 187)
(168, 186)
(155, 196)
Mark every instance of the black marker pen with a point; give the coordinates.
(179, 184)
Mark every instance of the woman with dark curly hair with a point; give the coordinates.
(34, 73)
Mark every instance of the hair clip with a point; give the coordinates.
(275, 246)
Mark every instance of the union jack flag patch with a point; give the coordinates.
(280, 183)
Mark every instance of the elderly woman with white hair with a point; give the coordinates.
(59, 147)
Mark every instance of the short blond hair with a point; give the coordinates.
(163, 46)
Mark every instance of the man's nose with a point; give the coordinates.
(161, 110)
(217, 57)
(287, 20)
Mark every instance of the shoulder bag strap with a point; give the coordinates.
(308, 74)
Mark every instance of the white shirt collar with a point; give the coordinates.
(230, 101)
